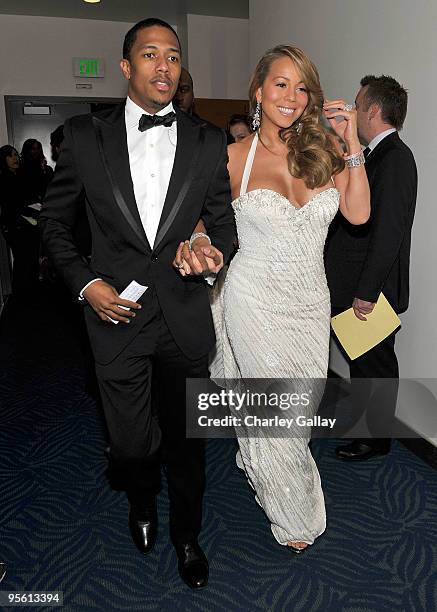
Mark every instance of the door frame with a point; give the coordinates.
(46, 101)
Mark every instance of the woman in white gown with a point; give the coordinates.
(273, 314)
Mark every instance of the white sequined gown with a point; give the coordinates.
(272, 318)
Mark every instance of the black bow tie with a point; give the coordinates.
(150, 121)
(367, 152)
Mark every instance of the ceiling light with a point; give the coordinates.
(92, 1)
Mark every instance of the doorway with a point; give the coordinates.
(37, 117)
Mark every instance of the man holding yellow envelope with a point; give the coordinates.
(364, 261)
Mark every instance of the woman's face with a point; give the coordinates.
(283, 95)
(36, 151)
(13, 161)
(239, 131)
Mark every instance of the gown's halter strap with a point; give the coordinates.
(248, 166)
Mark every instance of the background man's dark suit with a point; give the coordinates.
(174, 328)
(363, 260)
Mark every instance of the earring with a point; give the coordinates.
(256, 119)
(299, 128)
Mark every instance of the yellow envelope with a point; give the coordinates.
(357, 337)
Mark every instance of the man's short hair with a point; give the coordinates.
(389, 95)
(57, 136)
(131, 35)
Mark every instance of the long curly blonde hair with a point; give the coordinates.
(312, 154)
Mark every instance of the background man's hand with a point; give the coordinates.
(361, 308)
(105, 300)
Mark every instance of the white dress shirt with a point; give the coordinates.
(375, 141)
(151, 158)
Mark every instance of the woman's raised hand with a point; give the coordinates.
(347, 128)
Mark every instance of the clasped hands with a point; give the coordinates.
(201, 259)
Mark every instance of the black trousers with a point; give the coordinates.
(143, 398)
(24, 244)
(374, 387)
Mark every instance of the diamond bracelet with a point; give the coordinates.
(198, 235)
(355, 160)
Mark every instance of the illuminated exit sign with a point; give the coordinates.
(88, 67)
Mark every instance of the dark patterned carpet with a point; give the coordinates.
(62, 528)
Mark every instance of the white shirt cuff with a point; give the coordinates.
(86, 286)
(210, 279)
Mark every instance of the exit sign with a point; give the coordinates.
(88, 67)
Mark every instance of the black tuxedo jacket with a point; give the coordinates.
(93, 172)
(363, 260)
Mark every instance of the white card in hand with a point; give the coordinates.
(133, 292)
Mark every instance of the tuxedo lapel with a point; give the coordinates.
(190, 137)
(381, 147)
(112, 142)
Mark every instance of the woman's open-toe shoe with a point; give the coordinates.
(297, 550)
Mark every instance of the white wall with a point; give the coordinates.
(218, 56)
(347, 40)
(36, 57)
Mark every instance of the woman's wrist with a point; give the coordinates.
(353, 147)
(199, 237)
(354, 160)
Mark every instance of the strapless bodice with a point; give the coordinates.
(270, 226)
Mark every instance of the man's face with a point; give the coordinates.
(55, 150)
(362, 116)
(153, 69)
(184, 95)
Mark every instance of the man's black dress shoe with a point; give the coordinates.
(359, 450)
(192, 564)
(143, 525)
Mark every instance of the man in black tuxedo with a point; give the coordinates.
(145, 174)
(364, 260)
